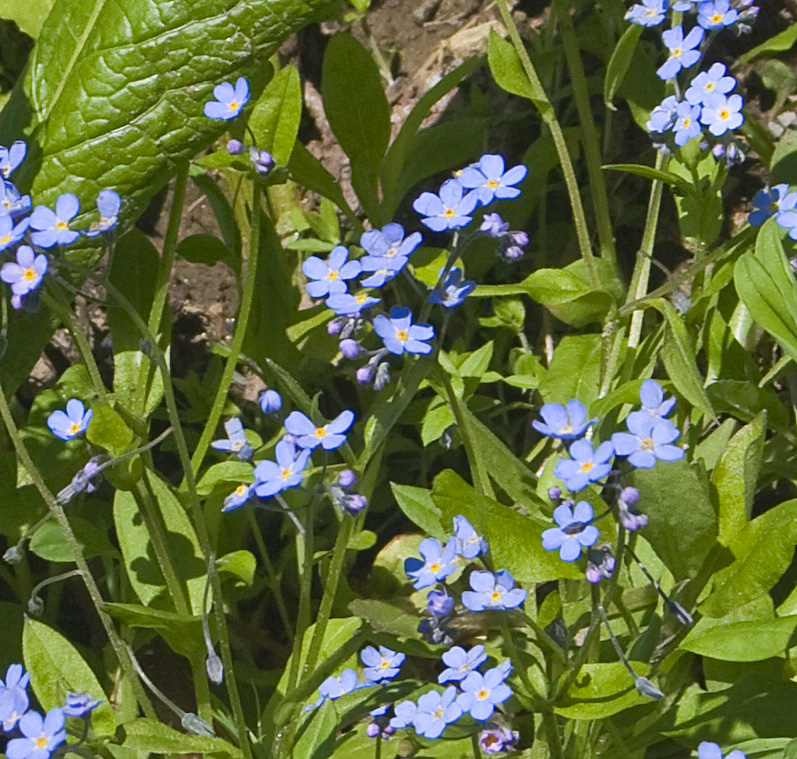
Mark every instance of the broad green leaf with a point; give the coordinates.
(762, 551)
(783, 162)
(568, 297)
(780, 42)
(225, 472)
(108, 430)
(745, 401)
(238, 565)
(276, 115)
(743, 641)
(56, 668)
(574, 371)
(153, 736)
(736, 475)
(305, 169)
(682, 525)
(385, 617)
(28, 15)
(316, 736)
(205, 249)
(49, 542)
(418, 506)
(619, 62)
(183, 634)
(507, 70)
(602, 690)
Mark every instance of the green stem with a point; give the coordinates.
(58, 512)
(591, 138)
(514, 655)
(583, 652)
(477, 753)
(304, 559)
(552, 733)
(548, 115)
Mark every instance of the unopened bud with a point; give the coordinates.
(234, 147)
(215, 669)
(347, 478)
(349, 348)
(647, 688)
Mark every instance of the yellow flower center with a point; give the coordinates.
(402, 335)
(687, 122)
(285, 474)
(725, 114)
(677, 52)
(434, 567)
(492, 183)
(773, 206)
(495, 595)
(237, 445)
(648, 444)
(332, 275)
(320, 432)
(586, 466)
(439, 712)
(482, 694)
(710, 86)
(29, 274)
(41, 741)
(384, 664)
(61, 225)
(716, 18)
(241, 489)
(74, 428)
(361, 298)
(4, 239)
(566, 430)
(449, 213)
(233, 105)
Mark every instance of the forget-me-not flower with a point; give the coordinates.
(709, 750)
(469, 543)
(481, 693)
(662, 117)
(329, 276)
(453, 291)
(492, 591)
(26, 274)
(52, 228)
(435, 711)
(389, 242)
(683, 50)
(229, 100)
(439, 603)
(11, 234)
(716, 14)
(337, 685)
(648, 440)
(380, 665)
(404, 712)
(399, 334)
(460, 663)
(236, 441)
(766, 203)
(11, 202)
(488, 179)
(272, 478)
(586, 464)
(651, 396)
(721, 113)
(108, 204)
(329, 436)
(563, 422)
(708, 83)
(79, 704)
(238, 497)
(11, 158)
(346, 304)
(383, 269)
(437, 564)
(40, 735)
(450, 209)
(687, 123)
(647, 13)
(494, 225)
(71, 423)
(498, 740)
(270, 402)
(14, 701)
(786, 215)
(573, 532)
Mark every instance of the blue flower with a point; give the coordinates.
(399, 334)
(229, 100)
(498, 740)
(329, 436)
(461, 663)
(716, 14)
(488, 179)
(72, 423)
(481, 693)
(11, 202)
(573, 532)
(26, 274)
(786, 215)
(708, 750)
(708, 83)
(494, 225)
(649, 13)
(647, 441)
(683, 53)
(630, 517)
(662, 117)
(329, 275)
(766, 203)
(239, 497)
(389, 243)
(384, 269)
(492, 591)
(404, 715)
(436, 711)
(453, 291)
(586, 465)
(450, 209)
(12, 157)
(563, 422)
(380, 665)
(652, 398)
(10, 234)
(469, 543)
(53, 228)
(439, 603)
(14, 699)
(345, 304)
(336, 686)
(721, 113)
(270, 402)
(236, 440)
(438, 562)
(687, 123)
(108, 204)
(272, 478)
(41, 735)
(79, 704)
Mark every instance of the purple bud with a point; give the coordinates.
(513, 253)
(349, 348)
(373, 730)
(554, 493)
(439, 603)
(335, 326)
(629, 496)
(519, 238)
(270, 402)
(234, 147)
(364, 374)
(355, 503)
(346, 478)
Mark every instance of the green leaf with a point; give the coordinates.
(602, 690)
(28, 15)
(56, 668)
(507, 70)
(783, 162)
(777, 44)
(305, 169)
(418, 506)
(761, 551)
(574, 371)
(736, 475)
(745, 401)
(619, 62)
(48, 541)
(362, 541)
(276, 115)
(743, 641)
(316, 737)
(568, 296)
(683, 525)
(238, 565)
(205, 249)
(650, 173)
(183, 634)
(225, 472)
(108, 430)
(152, 736)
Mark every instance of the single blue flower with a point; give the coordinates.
(721, 113)
(683, 52)
(708, 83)
(488, 179)
(272, 478)
(494, 225)
(26, 274)
(238, 497)
(492, 591)
(346, 304)
(460, 663)
(766, 203)
(573, 532)
(381, 665)
(11, 202)
(270, 402)
(481, 693)
(52, 228)
(399, 334)
(786, 215)
(439, 603)
(453, 291)
(11, 158)
(236, 440)
(630, 516)
(11, 234)
(450, 209)
(108, 204)
(716, 14)
(72, 423)
(329, 436)
(40, 735)
(438, 562)
(404, 715)
(384, 269)
(330, 275)
(647, 441)
(14, 701)
(336, 686)
(652, 398)
(469, 543)
(389, 242)
(687, 123)
(586, 465)
(708, 750)
(79, 704)
(563, 422)
(229, 100)
(683, 5)
(662, 117)
(648, 13)
(435, 712)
